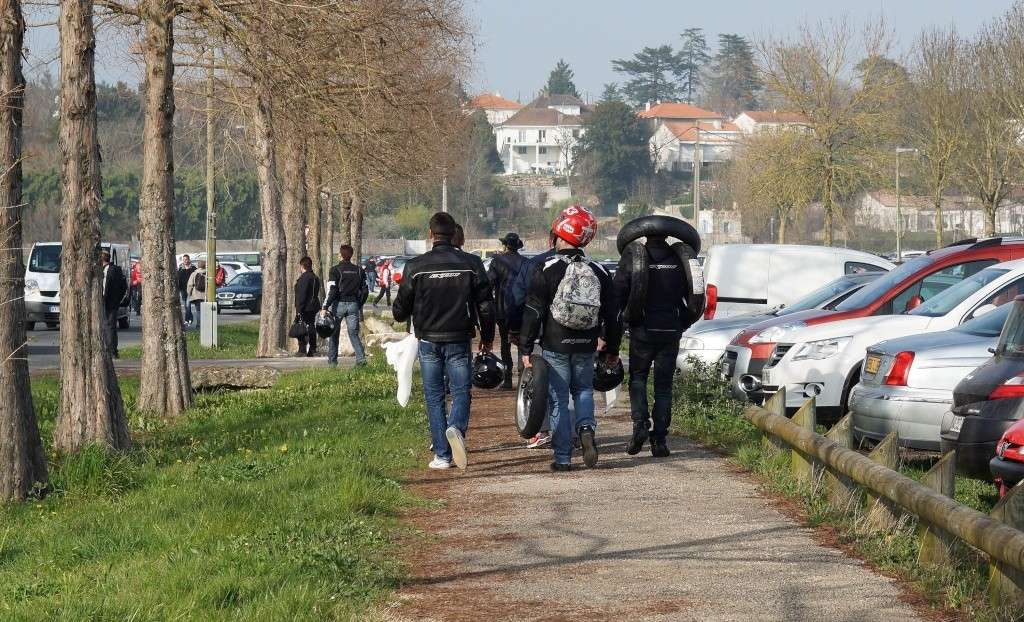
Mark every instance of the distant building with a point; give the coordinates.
(674, 143)
(960, 214)
(755, 121)
(676, 112)
(541, 137)
(497, 108)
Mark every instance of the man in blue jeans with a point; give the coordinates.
(446, 295)
(570, 300)
(346, 294)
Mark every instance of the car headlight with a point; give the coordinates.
(823, 349)
(31, 285)
(691, 343)
(774, 334)
(243, 297)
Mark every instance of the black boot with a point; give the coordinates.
(508, 380)
(659, 449)
(636, 443)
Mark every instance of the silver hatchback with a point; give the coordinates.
(907, 384)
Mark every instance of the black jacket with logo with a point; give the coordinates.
(346, 283)
(503, 267)
(183, 276)
(558, 338)
(665, 314)
(307, 293)
(447, 295)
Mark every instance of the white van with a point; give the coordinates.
(42, 283)
(752, 278)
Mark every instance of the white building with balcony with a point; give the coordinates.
(497, 108)
(674, 143)
(541, 137)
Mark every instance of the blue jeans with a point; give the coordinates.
(187, 315)
(569, 375)
(349, 312)
(438, 362)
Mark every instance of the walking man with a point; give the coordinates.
(571, 300)
(656, 324)
(115, 287)
(370, 268)
(446, 296)
(185, 271)
(502, 273)
(347, 292)
(196, 291)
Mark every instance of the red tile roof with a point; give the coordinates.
(671, 110)
(775, 116)
(542, 117)
(687, 132)
(490, 101)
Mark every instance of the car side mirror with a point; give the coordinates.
(913, 303)
(983, 309)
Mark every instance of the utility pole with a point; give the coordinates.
(697, 160)
(208, 334)
(444, 194)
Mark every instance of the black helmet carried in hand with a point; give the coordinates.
(606, 375)
(325, 324)
(488, 371)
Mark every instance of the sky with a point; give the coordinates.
(519, 41)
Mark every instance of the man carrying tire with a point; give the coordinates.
(446, 296)
(572, 301)
(653, 285)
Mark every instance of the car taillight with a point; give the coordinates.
(1014, 387)
(897, 376)
(710, 301)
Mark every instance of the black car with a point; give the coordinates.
(244, 292)
(988, 401)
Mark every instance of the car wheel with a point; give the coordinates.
(844, 402)
(51, 324)
(30, 325)
(124, 322)
(532, 401)
(255, 310)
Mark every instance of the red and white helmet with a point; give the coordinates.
(576, 225)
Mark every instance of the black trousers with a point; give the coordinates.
(111, 326)
(506, 347)
(662, 356)
(384, 291)
(307, 345)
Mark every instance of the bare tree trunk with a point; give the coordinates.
(91, 407)
(294, 206)
(357, 226)
(22, 463)
(938, 219)
(329, 204)
(782, 228)
(314, 212)
(829, 206)
(275, 289)
(990, 219)
(165, 386)
(346, 218)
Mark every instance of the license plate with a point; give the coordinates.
(226, 303)
(766, 377)
(54, 309)
(956, 424)
(872, 364)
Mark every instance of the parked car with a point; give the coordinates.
(244, 293)
(237, 266)
(42, 283)
(397, 267)
(906, 384)
(824, 360)
(988, 401)
(753, 278)
(707, 339)
(899, 290)
(1007, 466)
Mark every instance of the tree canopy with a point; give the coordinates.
(614, 152)
(560, 80)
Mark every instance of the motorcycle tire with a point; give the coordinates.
(659, 225)
(532, 400)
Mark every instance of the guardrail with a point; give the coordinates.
(847, 475)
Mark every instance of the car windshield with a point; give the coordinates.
(989, 324)
(246, 279)
(1011, 342)
(882, 286)
(819, 296)
(946, 300)
(45, 259)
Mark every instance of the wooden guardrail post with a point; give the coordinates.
(805, 469)
(936, 544)
(777, 405)
(882, 514)
(842, 492)
(1006, 583)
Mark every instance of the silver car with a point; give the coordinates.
(706, 340)
(907, 384)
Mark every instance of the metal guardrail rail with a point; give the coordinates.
(815, 455)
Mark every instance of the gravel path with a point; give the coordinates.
(684, 538)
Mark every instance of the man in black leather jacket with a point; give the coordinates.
(504, 268)
(347, 292)
(447, 296)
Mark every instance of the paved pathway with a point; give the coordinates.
(686, 538)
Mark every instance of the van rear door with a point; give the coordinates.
(739, 272)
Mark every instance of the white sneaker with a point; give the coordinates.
(458, 445)
(440, 463)
(539, 441)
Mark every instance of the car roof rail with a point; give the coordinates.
(987, 242)
(962, 242)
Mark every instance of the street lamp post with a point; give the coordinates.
(899, 210)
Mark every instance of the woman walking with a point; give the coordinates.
(307, 303)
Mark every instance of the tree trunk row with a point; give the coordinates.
(275, 304)
(294, 207)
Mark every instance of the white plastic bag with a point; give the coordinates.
(609, 400)
(401, 355)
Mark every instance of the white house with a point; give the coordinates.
(960, 214)
(754, 121)
(540, 137)
(674, 143)
(497, 108)
(675, 112)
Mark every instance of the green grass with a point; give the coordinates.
(706, 412)
(237, 341)
(271, 505)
